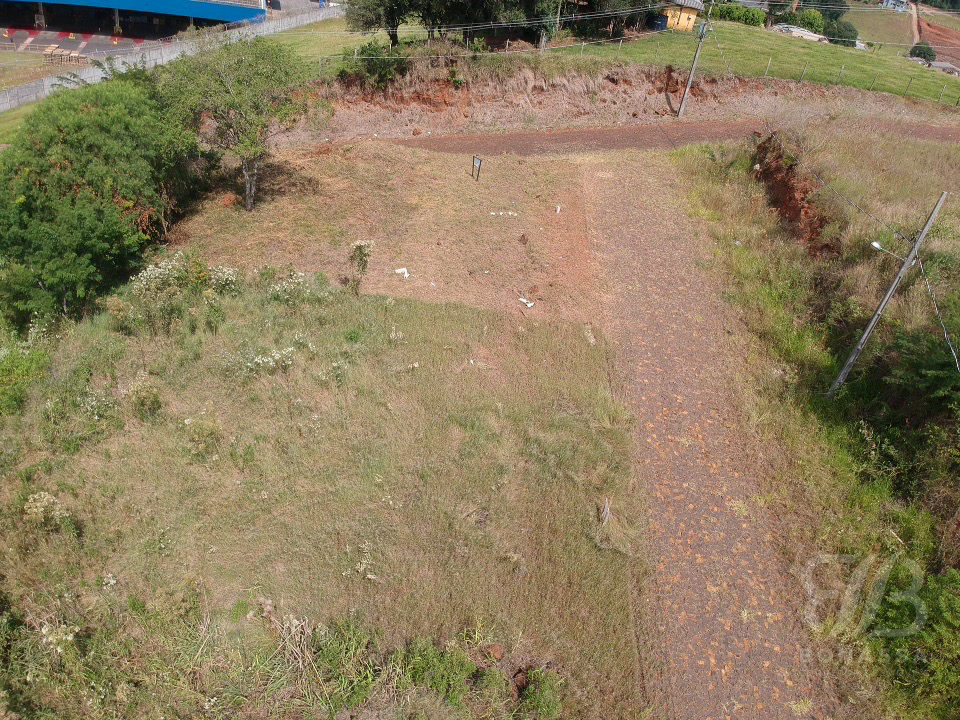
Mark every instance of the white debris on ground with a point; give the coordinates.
(528, 303)
(402, 272)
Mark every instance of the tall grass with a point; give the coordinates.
(861, 472)
(219, 442)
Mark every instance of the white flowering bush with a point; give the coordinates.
(57, 638)
(169, 273)
(96, 405)
(43, 509)
(291, 290)
(269, 363)
(224, 280)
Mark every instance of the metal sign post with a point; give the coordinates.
(475, 168)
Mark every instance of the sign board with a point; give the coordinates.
(475, 170)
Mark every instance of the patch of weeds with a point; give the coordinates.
(342, 654)
(145, 400)
(203, 438)
(353, 335)
(540, 700)
(446, 672)
(492, 685)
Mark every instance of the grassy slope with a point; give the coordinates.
(849, 502)
(745, 51)
(17, 68)
(947, 20)
(384, 475)
(891, 28)
(11, 120)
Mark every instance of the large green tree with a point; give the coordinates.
(91, 177)
(387, 15)
(238, 95)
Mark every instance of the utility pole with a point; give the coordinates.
(696, 59)
(907, 264)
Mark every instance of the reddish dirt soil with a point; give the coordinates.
(665, 134)
(945, 40)
(789, 190)
(726, 640)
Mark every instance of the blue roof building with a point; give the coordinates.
(220, 11)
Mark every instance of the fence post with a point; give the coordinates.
(767, 71)
(804, 73)
(873, 83)
(940, 99)
(582, 45)
(619, 48)
(909, 83)
(840, 74)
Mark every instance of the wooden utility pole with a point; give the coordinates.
(696, 59)
(907, 264)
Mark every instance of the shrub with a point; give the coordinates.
(929, 661)
(924, 51)
(739, 13)
(373, 66)
(88, 181)
(810, 19)
(541, 697)
(841, 32)
(444, 671)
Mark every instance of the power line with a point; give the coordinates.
(936, 309)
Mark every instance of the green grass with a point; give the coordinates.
(11, 120)
(845, 498)
(947, 20)
(892, 31)
(327, 37)
(341, 456)
(17, 68)
(746, 50)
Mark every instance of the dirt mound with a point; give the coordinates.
(789, 190)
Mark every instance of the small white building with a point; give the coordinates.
(898, 5)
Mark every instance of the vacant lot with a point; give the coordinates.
(891, 32)
(17, 68)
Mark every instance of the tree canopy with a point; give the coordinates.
(91, 177)
(924, 51)
(247, 89)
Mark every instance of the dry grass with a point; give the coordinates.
(485, 243)
(422, 467)
(18, 68)
(892, 31)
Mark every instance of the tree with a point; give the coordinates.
(247, 89)
(924, 51)
(388, 15)
(812, 20)
(834, 10)
(841, 32)
(91, 177)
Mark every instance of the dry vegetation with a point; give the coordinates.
(426, 470)
(848, 497)
(485, 243)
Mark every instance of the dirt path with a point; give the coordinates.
(727, 641)
(915, 23)
(666, 134)
(646, 136)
